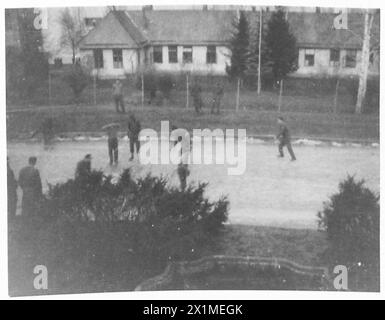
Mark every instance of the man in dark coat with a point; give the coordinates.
(113, 151)
(218, 94)
(133, 131)
(83, 168)
(117, 93)
(284, 139)
(12, 192)
(196, 93)
(30, 183)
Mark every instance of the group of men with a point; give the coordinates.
(196, 93)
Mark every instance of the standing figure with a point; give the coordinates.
(117, 93)
(30, 183)
(133, 131)
(284, 139)
(83, 168)
(218, 94)
(196, 93)
(183, 173)
(47, 129)
(12, 192)
(112, 132)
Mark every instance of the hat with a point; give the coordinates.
(88, 156)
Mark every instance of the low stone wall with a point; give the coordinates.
(180, 270)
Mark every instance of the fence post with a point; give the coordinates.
(238, 88)
(280, 95)
(142, 91)
(336, 95)
(94, 87)
(187, 91)
(49, 88)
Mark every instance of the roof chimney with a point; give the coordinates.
(146, 21)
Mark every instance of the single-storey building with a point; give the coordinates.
(125, 42)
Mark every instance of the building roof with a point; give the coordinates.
(316, 30)
(184, 26)
(133, 29)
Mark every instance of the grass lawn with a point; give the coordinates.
(71, 274)
(84, 118)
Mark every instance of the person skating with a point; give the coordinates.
(30, 183)
(284, 139)
(12, 192)
(112, 132)
(133, 130)
(117, 93)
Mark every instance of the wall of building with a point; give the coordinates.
(130, 63)
(199, 64)
(323, 67)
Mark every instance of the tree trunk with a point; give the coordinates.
(238, 89)
(363, 76)
(280, 95)
(336, 95)
(259, 52)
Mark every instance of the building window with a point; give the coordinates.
(211, 54)
(351, 58)
(98, 58)
(334, 57)
(91, 22)
(158, 55)
(309, 57)
(187, 54)
(117, 58)
(172, 54)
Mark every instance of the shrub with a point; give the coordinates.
(351, 219)
(77, 79)
(165, 84)
(163, 222)
(149, 82)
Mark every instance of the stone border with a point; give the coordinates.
(185, 268)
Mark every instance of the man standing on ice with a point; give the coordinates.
(284, 139)
(133, 130)
(30, 183)
(112, 132)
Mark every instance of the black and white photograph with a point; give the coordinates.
(191, 147)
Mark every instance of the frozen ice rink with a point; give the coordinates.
(272, 191)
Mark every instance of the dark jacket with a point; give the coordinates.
(83, 169)
(29, 180)
(133, 127)
(283, 135)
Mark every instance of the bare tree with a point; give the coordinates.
(72, 30)
(363, 76)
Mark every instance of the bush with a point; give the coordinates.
(149, 81)
(77, 79)
(165, 84)
(351, 219)
(165, 223)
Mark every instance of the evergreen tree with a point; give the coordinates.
(239, 47)
(33, 60)
(281, 53)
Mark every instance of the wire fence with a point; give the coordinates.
(178, 91)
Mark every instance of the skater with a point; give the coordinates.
(218, 94)
(112, 132)
(284, 139)
(117, 92)
(47, 129)
(196, 93)
(133, 131)
(83, 168)
(30, 183)
(183, 173)
(12, 192)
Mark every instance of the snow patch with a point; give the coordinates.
(308, 142)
